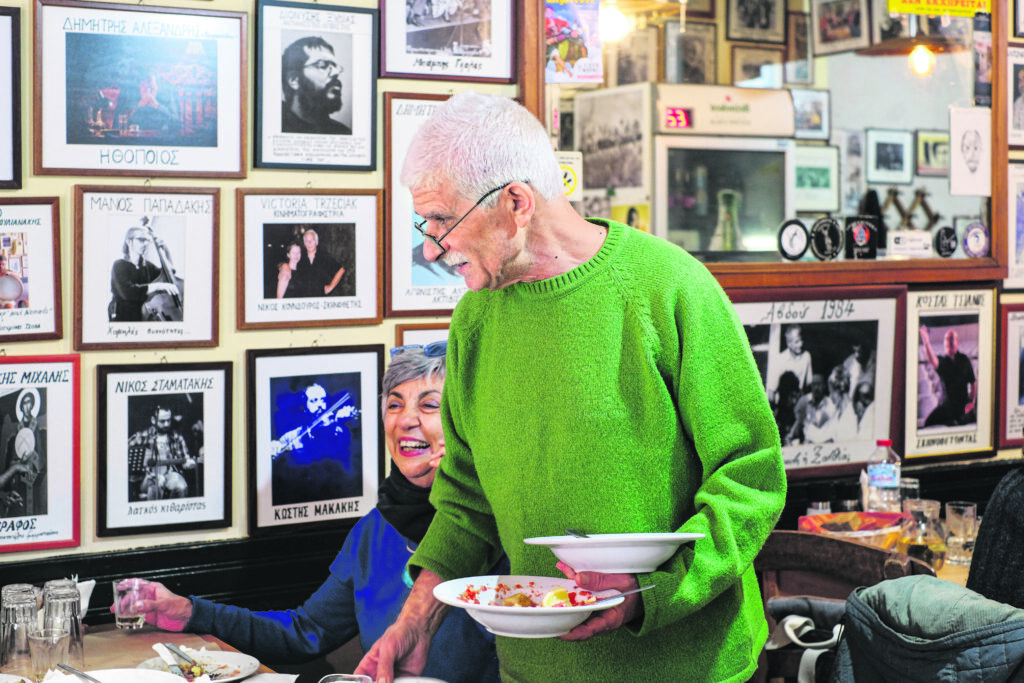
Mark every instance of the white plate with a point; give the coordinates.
(615, 553)
(221, 665)
(519, 622)
(8, 678)
(115, 676)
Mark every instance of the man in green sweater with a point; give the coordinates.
(598, 378)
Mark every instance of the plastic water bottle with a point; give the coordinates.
(884, 479)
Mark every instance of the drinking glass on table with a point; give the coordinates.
(48, 647)
(18, 616)
(962, 525)
(62, 608)
(127, 592)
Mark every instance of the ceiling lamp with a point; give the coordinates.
(612, 24)
(919, 48)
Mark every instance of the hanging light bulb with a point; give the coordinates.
(612, 24)
(922, 60)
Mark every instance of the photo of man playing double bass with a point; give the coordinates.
(144, 285)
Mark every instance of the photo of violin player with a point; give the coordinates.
(318, 441)
(144, 285)
(165, 446)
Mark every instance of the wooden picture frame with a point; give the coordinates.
(40, 503)
(700, 9)
(936, 423)
(294, 484)
(691, 57)
(758, 21)
(1011, 367)
(812, 111)
(139, 406)
(102, 105)
(633, 58)
(817, 179)
(1015, 95)
(1014, 226)
(331, 38)
(757, 67)
(839, 26)
(10, 110)
(799, 58)
(890, 156)
(415, 285)
(472, 43)
(420, 333)
(850, 345)
(114, 225)
(931, 152)
(345, 227)
(31, 290)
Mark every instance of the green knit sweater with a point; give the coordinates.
(619, 397)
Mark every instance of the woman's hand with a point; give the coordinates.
(604, 621)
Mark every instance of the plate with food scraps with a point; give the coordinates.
(221, 666)
(615, 553)
(112, 676)
(524, 606)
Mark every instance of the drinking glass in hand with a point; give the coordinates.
(127, 592)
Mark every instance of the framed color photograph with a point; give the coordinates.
(310, 258)
(799, 60)
(839, 26)
(1011, 374)
(932, 152)
(1015, 95)
(30, 272)
(691, 57)
(757, 67)
(415, 286)
(315, 435)
(448, 40)
(420, 333)
(813, 114)
(10, 86)
(890, 156)
(950, 387)
(146, 267)
(135, 90)
(817, 179)
(41, 495)
(758, 21)
(1014, 226)
(163, 447)
(316, 86)
(830, 360)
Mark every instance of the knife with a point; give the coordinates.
(194, 666)
(169, 660)
(81, 674)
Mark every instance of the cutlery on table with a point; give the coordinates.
(192, 663)
(169, 660)
(81, 674)
(612, 597)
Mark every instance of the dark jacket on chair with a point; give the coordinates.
(921, 628)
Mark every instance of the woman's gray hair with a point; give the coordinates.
(475, 142)
(407, 365)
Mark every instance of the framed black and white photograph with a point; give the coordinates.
(799, 59)
(146, 267)
(830, 360)
(613, 127)
(163, 447)
(817, 179)
(633, 58)
(950, 371)
(886, 25)
(420, 334)
(448, 40)
(839, 26)
(1015, 95)
(970, 151)
(890, 156)
(757, 67)
(932, 152)
(691, 57)
(759, 21)
(10, 86)
(315, 435)
(415, 286)
(40, 485)
(310, 258)
(701, 9)
(30, 272)
(812, 112)
(135, 90)
(1011, 372)
(316, 86)
(1014, 226)
(852, 184)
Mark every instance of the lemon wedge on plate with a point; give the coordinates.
(558, 597)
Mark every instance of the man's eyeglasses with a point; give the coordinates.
(436, 241)
(325, 66)
(431, 350)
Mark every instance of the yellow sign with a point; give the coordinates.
(954, 8)
(571, 165)
(569, 179)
